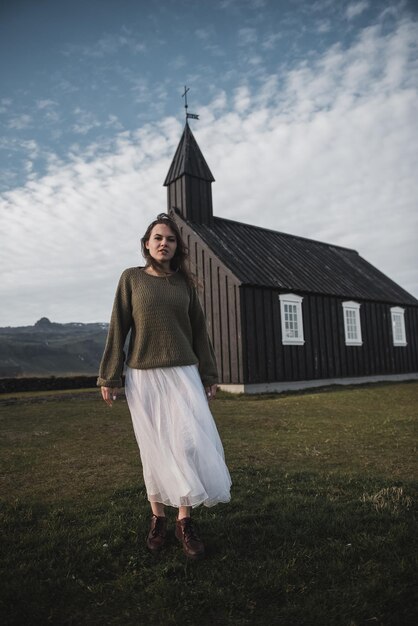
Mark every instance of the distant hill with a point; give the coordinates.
(51, 349)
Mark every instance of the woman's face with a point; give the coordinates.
(162, 243)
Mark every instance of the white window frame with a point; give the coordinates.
(352, 309)
(295, 303)
(397, 316)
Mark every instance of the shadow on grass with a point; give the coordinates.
(291, 548)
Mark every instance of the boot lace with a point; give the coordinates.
(159, 526)
(189, 531)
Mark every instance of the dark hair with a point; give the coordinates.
(179, 262)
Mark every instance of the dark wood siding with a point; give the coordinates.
(325, 353)
(191, 197)
(220, 296)
(241, 269)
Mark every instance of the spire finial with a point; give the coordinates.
(192, 116)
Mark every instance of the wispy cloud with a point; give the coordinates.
(322, 5)
(114, 122)
(71, 224)
(271, 40)
(207, 38)
(323, 26)
(140, 89)
(203, 33)
(356, 8)
(18, 122)
(247, 36)
(178, 62)
(242, 99)
(49, 111)
(326, 150)
(5, 104)
(63, 86)
(85, 121)
(226, 4)
(108, 45)
(46, 104)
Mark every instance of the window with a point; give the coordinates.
(352, 327)
(398, 326)
(291, 317)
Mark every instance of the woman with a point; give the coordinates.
(170, 377)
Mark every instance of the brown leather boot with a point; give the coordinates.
(157, 533)
(186, 533)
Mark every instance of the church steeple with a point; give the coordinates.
(189, 181)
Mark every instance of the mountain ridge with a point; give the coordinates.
(50, 348)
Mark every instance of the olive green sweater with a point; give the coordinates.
(167, 325)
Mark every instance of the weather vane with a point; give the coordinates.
(191, 116)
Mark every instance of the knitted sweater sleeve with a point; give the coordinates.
(111, 366)
(202, 345)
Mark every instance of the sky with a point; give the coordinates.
(307, 119)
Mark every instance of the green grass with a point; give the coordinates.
(321, 529)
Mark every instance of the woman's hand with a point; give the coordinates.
(109, 394)
(211, 392)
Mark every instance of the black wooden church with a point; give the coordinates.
(284, 311)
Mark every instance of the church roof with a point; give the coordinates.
(188, 159)
(267, 258)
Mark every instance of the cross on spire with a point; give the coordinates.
(192, 116)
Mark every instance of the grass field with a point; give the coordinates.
(321, 529)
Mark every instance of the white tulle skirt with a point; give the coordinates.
(181, 452)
